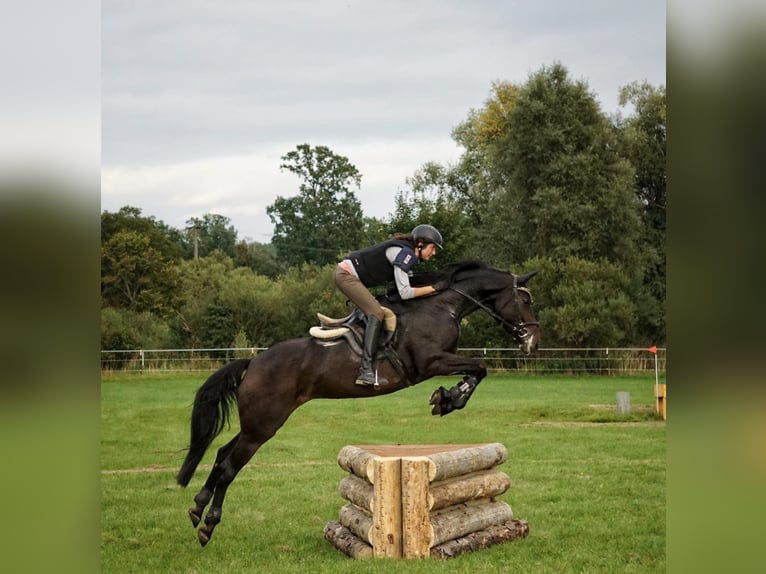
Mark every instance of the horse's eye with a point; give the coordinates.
(526, 295)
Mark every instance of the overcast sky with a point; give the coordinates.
(200, 99)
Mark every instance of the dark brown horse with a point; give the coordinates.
(270, 386)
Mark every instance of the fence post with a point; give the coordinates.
(623, 402)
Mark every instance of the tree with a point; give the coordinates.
(476, 177)
(566, 192)
(137, 276)
(584, 303)
(211, 232)
(125, 329)
(219, 326)
(643, 142)
(303, 291)
(254, 303)
(167, 241)
(430, 199)
(260, 257)
(199, 283)
(325, 219)
(546, 175)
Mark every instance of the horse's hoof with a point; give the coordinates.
(194, 516)
(437, 396)
(204, 538)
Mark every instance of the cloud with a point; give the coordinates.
(208, 96)
(241, 187)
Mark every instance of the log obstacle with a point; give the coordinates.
(419, 501)
(661, 398)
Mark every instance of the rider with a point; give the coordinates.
(374, 266)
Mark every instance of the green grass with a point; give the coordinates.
(590, 483)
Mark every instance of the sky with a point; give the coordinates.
(201, 99)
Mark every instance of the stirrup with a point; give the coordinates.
(370, 379)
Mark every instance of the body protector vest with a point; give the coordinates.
(373, 266)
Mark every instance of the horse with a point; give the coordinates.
(270, 386)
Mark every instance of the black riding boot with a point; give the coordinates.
(367, 376)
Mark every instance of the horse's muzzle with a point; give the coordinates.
(529, 341)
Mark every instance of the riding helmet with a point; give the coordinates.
(427, 234)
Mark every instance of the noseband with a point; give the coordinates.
(518, 330)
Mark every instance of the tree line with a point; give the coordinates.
(545, 181)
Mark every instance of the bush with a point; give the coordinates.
(125, 329)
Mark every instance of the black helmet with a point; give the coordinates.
(427, 234)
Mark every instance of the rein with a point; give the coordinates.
(518, 330)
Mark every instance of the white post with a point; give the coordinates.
(656, 382)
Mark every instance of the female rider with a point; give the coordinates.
(374, 266)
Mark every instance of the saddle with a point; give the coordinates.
(351, 330)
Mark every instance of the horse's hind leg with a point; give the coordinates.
(206, 493)
(238, 455)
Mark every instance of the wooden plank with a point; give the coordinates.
(417, 534)
(386, 531)
(356, 461)
(494, 534)
(461, 519)
(357, 491)
(448, 464)
(662, 397)
(473, 486)
(346, 541)
(356, 520)
(408, 450)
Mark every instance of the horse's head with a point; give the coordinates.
(503, 295)
(513, 306)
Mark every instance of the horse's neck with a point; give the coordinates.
(482, 287)
(458, 301)
(476, 289)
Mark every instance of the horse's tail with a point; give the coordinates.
(210, 413)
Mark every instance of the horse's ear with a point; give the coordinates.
(522, 279)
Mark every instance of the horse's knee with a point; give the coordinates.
(203, 497)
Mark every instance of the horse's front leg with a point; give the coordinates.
(445, 401)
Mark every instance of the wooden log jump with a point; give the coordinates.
(661, 398)
(416, 501)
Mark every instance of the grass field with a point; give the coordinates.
(590, 482)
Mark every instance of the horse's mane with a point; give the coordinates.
(448, 273)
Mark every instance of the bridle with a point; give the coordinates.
(518, 330)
